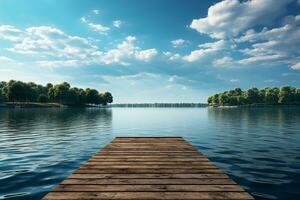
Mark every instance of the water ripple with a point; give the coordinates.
(257, 148)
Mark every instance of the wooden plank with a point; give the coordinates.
(145, 159)
(156, 156)
(143, 176)
(125, 181)
(157, 162)
(149, 171)
(148, 195)
(148, 168)
(147, 188)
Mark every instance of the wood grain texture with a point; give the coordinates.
(148, 168)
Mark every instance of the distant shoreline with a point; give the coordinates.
(254, 106)
(159, 105)
(138, 105)
(121, 105)
(30, 105)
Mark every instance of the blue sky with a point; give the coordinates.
(152, 51)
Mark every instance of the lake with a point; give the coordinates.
(259, 148)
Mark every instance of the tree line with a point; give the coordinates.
(18, 91)
(286, 95)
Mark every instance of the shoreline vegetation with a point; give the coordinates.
(253, 97)
(14, 94)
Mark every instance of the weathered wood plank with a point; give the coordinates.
(97, 162)
(149, 171)
(148, 195)
(143, 176)
(145, 159)
(148, 168)
(121, 166)
(148, 188)
(125, 181)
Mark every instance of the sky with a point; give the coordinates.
(152, 50)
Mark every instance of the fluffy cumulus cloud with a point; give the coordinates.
(47, 41)
(127, 50)
(146, 55)
(277, 44)
(236, 27)
(51, 47)
(207, 49)
(229, 18)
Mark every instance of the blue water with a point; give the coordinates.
(258, 148)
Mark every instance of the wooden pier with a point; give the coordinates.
(148, 168)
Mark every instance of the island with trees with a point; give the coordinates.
(286, 95)
(30, 94)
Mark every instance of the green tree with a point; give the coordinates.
(81, 97)
(59, 93)
(252, 96)
(43, 98)
(223, 99)
(2, 97)
(297, 96)
(287, 95)
(16, 91)
(106, 98)
(238, 91)
(210, 100)
(271, 96)
(92, 96)
(215, 99)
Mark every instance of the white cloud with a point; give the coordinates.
(11, 33)
(172, 56)
(96, 27)
(234, 80)
(127, 50)
(84, 20)
(277, 45)
(184, 87)
(51, 47)
(139, 76)
(59, 63)
(223, 62)
(260, 59)
(230, 17)
(178, 43)
(172, 78)
(296, 66)
(97, 12)
(146, 55)
(207, 49)
(168, 87)
(5, 59)
(43, 41)
(117, 23)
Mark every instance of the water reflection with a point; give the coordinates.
(259, 148)
(41, 146)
